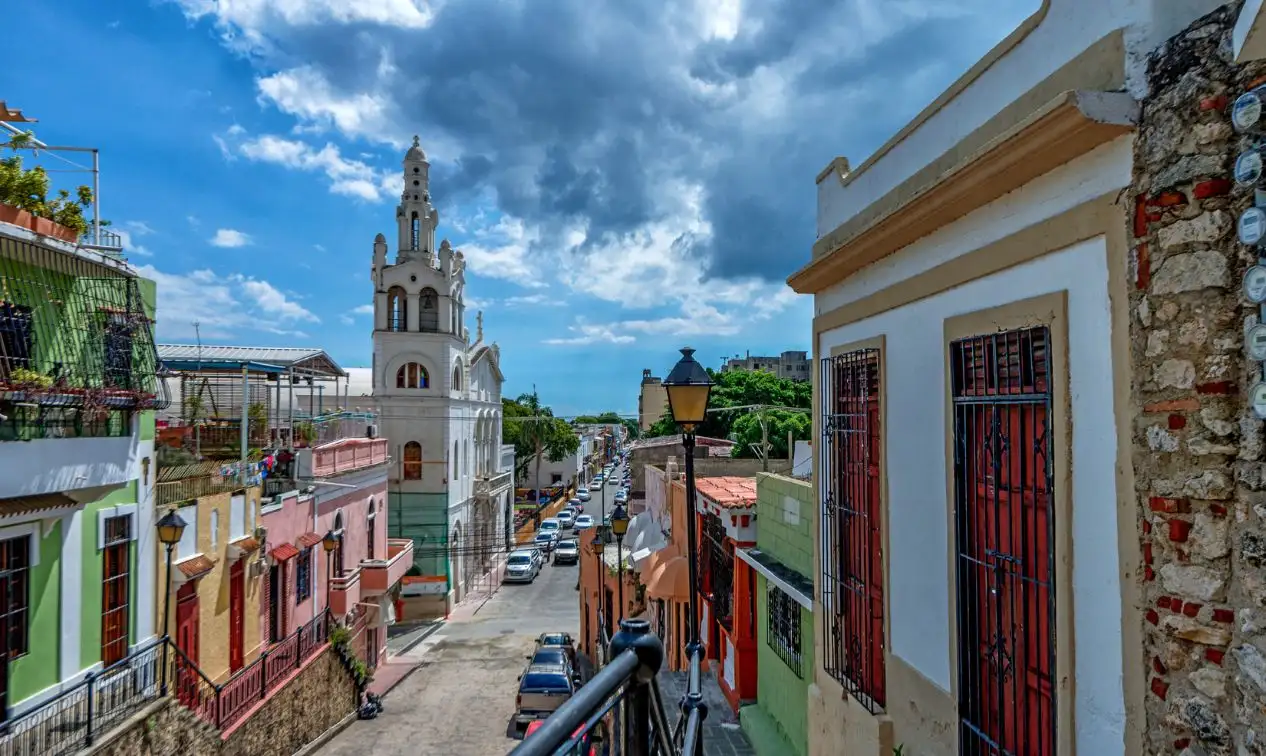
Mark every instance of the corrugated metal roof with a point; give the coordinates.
(313, 360)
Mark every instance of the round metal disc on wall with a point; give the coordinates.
(1257, 400)
(1248, 168)
(1255, 284)
(1246, 113)
(1255, 342)
(1252, 225)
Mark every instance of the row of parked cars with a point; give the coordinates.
(549, 680)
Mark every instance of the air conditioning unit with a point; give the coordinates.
(371, 431)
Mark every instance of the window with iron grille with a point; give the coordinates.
(783, 631)
(719, 568)
(1004, 535)
(15, 593)
(852, 541)
(17, 338)
(118, 351)
(116, 575)
(303, 575)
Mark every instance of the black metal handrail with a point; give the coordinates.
(627, 680)
(71, 720)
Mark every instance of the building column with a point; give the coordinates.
(71, 608)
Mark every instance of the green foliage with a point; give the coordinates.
(609, 418)
(257, 413)
(341, 639)
(536, 435)
(28, 189)
(738, 388)
(306, 432)
(340, 636)
(30, 379)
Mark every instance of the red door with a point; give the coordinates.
(1005, 519)
(187, 641)
(237, 614)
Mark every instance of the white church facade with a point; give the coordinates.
(439, 398)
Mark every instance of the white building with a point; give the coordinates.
(989, 575)
(439, 396)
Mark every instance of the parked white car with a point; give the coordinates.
(582, 522)
(582, 493)
(549, 525)
(565, 519)
(521, 567)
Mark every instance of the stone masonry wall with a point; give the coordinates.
(321, 695)
(1198, 449)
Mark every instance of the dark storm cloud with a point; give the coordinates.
(575, 109)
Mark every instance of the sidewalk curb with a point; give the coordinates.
(327, 736)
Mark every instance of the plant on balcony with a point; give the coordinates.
(341, 640)
(25, 192)
(306, 433)
(30, 381)
(257, 414)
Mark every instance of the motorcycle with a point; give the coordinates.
(371, 708)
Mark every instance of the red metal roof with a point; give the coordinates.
(308, 540)
(283, 552)
(728, 490)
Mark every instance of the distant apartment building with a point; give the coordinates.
(652, 401)
(792, 365)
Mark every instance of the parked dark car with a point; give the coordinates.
(562, 641)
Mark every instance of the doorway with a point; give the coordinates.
(237, 614)
(275, 632)
(187, 679)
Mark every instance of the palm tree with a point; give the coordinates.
(536, 429)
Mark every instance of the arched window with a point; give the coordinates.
(412, 376)
(215, 528)
(397, 309)
(466, 457)
(338, 549)
(429, 314)
(457, 378)
(455, 460)
(415, 231)
(413, 461)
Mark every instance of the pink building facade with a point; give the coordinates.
(358, 580)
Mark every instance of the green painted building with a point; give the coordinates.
(78, 390)
(777, 724)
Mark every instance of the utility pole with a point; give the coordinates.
(764, 444)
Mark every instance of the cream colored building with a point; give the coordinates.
(652, 400)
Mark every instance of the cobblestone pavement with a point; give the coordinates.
(721, 733)
(460, 701)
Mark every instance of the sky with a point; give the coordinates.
(624, 178)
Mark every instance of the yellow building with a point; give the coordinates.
(218, 603)
(652, 401)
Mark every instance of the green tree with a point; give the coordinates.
(740, 388)
(608, 418)
(536, 434)
(748, 436)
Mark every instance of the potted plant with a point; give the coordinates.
(25, 199)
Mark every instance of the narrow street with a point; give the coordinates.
(460, 701)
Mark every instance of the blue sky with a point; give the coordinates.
(624, 178)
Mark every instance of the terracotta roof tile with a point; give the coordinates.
(284, 552)
(728, 490)
(246, 545)
(308, 540)
(196, 566)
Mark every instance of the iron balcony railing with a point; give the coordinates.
(624, 698)
(177, 483)
(72, 720)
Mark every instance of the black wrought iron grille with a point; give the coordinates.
(783, 631)
(719, 563)
(74, 332)
(1004, 526)
(852, 545)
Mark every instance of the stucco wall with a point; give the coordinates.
(38, 669)
(782, 693)
(785, 510)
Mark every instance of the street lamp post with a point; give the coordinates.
(598, 545)
(688, 386)
(620, 526)
(170, 528)
(329, 543)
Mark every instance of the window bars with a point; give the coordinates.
(15, 594)
(718, 563)
(116, 576)
(74, 333)
(852, 553)
(783, 630)
(1004, 529)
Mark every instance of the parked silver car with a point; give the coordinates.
(521, 567)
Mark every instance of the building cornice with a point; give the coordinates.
(1069, 126)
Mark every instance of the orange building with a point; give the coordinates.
(600, 590)
(726, 512)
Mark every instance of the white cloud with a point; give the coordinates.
(590, 334)
(305, 93)
(502, 251)
(129, 232)
(229, 238)
(351, 178)
(251, 17)
(349, 317)
(224, 306)
(319, 247)
(535, 300)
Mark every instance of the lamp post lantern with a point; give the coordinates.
(598, 545)
(329, 542)
(688, 386)
(620, 526)
(171, 527)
